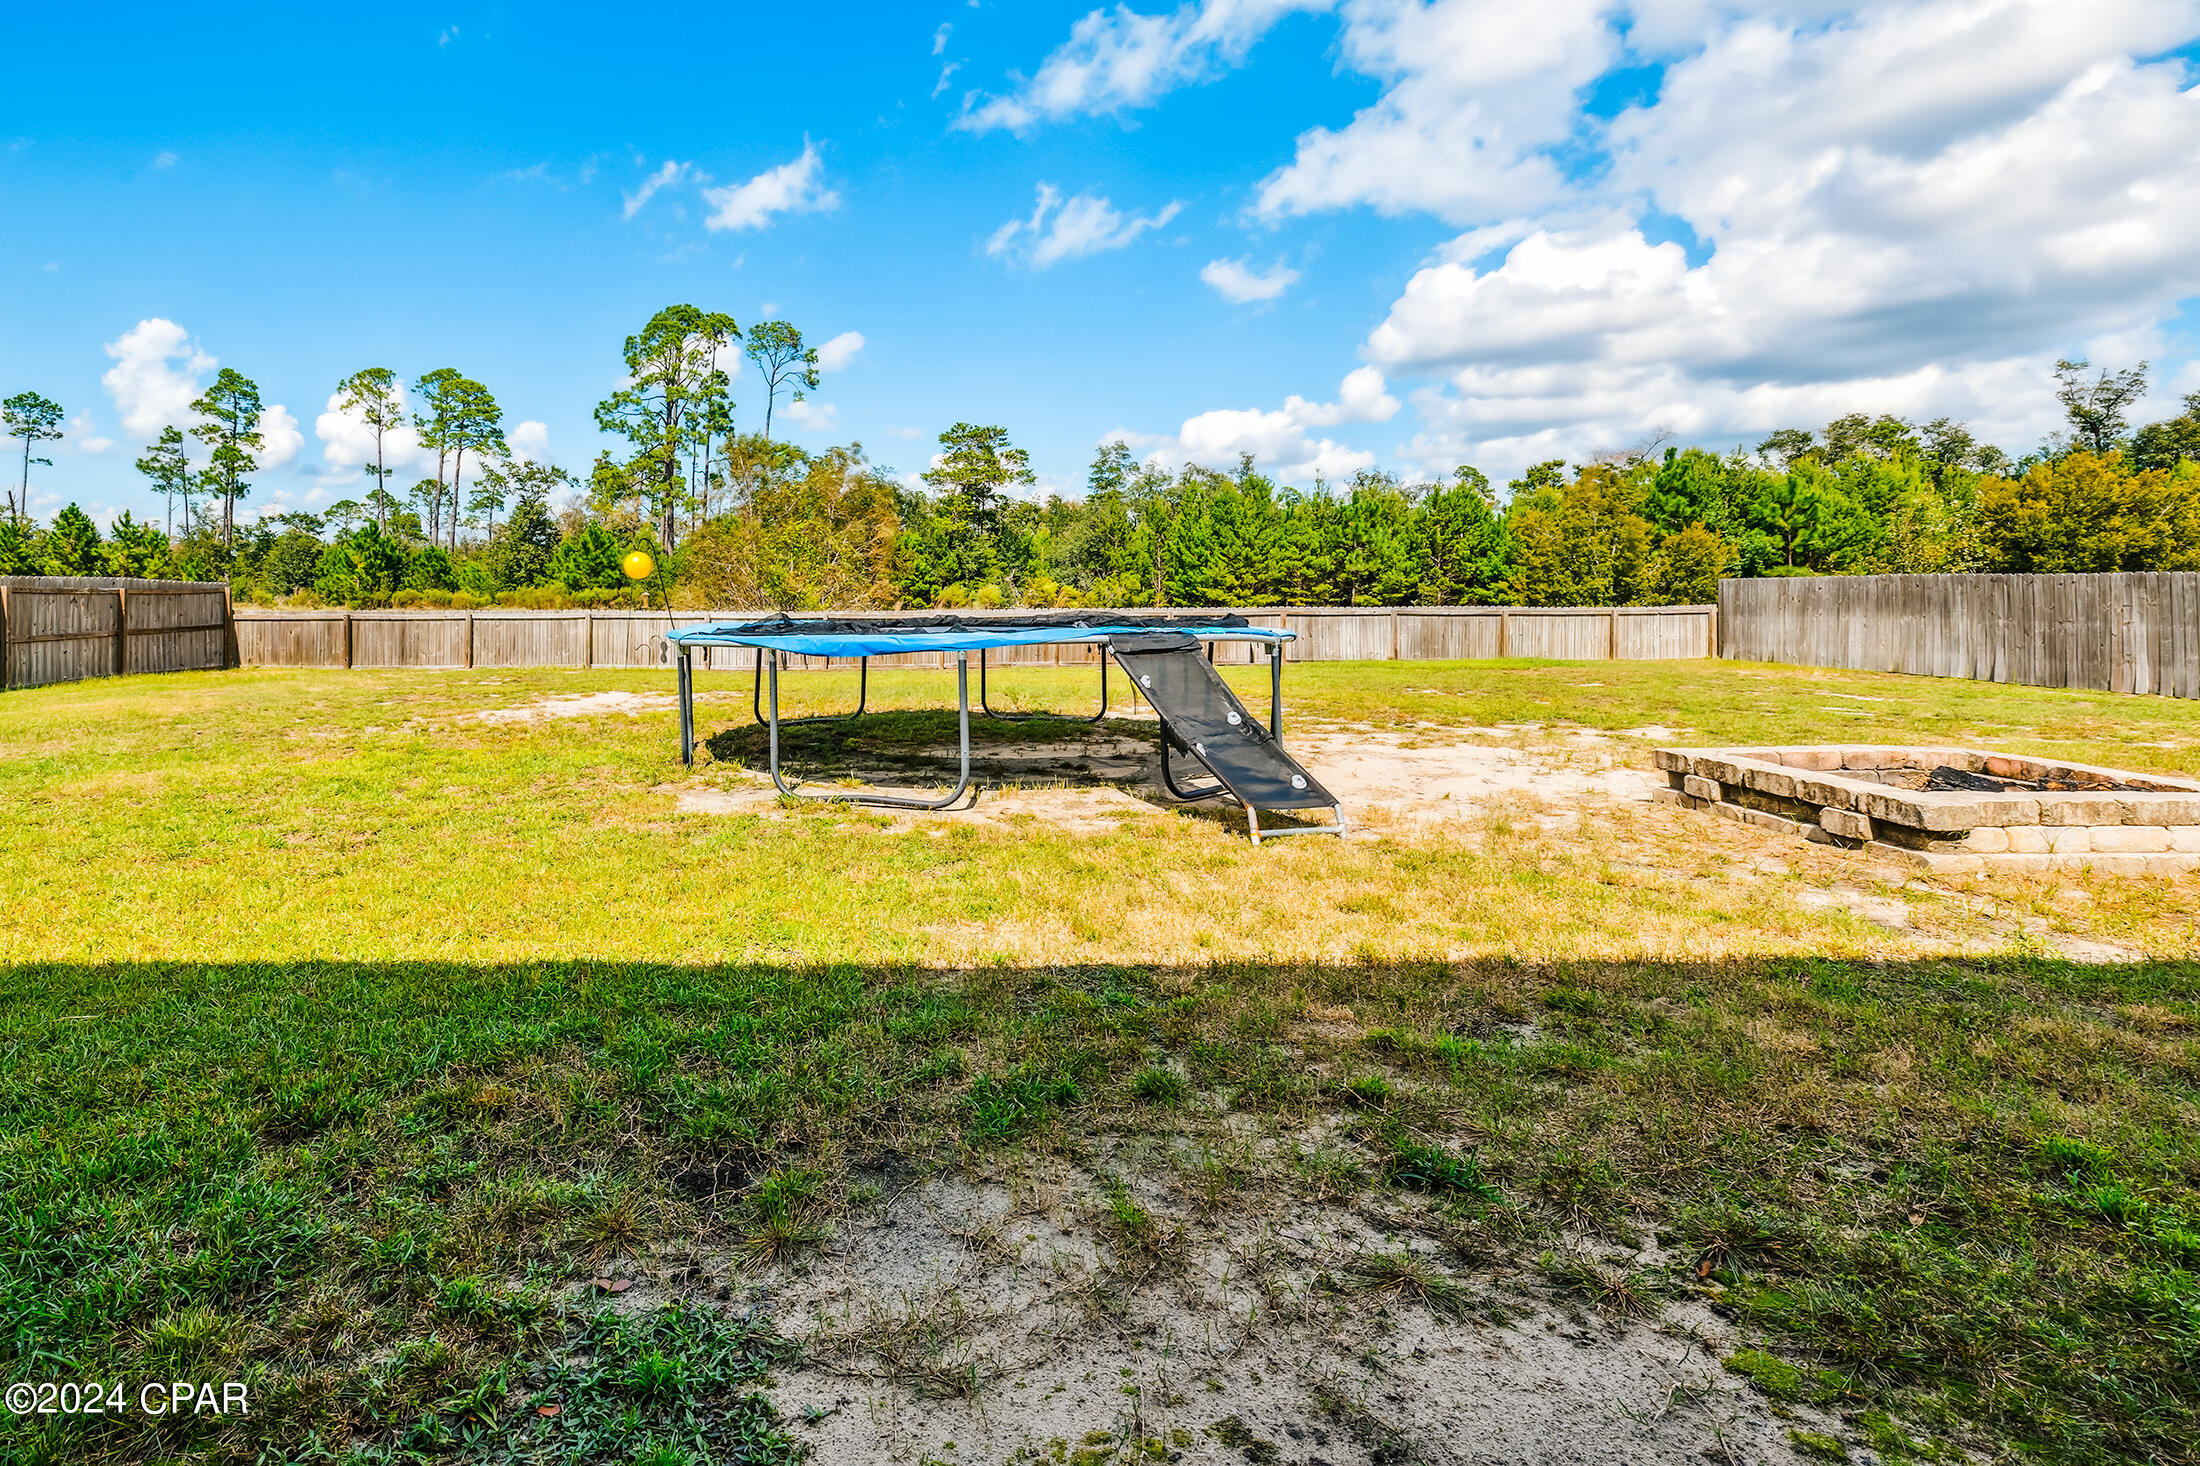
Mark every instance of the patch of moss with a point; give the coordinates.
(1818, 1446)
(1775, 1377)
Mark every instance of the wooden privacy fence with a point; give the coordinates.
(496, 638)
(63, 628)
(2112, 633)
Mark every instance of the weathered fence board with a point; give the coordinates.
(295, 639)
(410, 638)
(515, 639)
(505, 638)
(65, 628)
(1342, 636)
(1579, 636)
(1426, 636)
(2111, 633)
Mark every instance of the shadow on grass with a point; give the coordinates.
(926, 742)
(1967, 1190)
(920, 750)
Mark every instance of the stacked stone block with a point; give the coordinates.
(1873, 799)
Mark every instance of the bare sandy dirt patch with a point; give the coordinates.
(1091, 782)
(1439, 774)
(1015, 1318)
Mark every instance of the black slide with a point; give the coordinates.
(1201, 716)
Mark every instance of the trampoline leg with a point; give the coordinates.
(687, 709)
(860, 796)
(863, 692)
(962, 705)
(1275, 692)
(782, 783)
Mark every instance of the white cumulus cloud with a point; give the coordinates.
(1817, 206)
(1060, 229)
(155, 377)
(791, 188)
(811, 416)
(280, 439)
(1118, 59)
(1239, 283)
(1475, 96)
(2012, 185)
(1281, 440)
(839, 351)
(530, 441)
(1361, 397)
(348, 443)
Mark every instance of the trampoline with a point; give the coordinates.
(1168, 658)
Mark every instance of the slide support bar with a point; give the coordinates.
(1168, 778)
(1252, 823)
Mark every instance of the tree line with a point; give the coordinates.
(739, 519)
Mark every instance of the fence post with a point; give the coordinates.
(122, 630)
(469, 641)
(232, 649)
(1613, 655)
(1504, 635)
(347, 638)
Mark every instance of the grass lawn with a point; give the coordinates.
(347, 1032)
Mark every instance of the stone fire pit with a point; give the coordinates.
(1951, 810)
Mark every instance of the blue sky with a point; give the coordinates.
(1483, 234)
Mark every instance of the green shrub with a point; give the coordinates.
(538, 598)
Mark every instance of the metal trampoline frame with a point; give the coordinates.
(768, 660)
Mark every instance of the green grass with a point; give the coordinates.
(348, 1037)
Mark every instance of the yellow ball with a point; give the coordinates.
(637, 565)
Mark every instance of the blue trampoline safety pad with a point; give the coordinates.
(839, 637)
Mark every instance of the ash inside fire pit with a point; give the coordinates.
(1963, 781)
